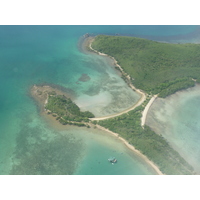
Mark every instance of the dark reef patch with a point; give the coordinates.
(41, 153)
(84, 78)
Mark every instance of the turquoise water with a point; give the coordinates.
(100, 147)
(50, 55)
(177, 119)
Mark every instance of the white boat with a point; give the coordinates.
(112, 160)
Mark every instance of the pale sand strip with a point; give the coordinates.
(139, 102)
(131, 147)
(145, 111)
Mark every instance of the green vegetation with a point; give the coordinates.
(156, 67)
(169, 88)
(66, 111)
(154, 146)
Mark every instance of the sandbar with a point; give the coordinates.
(145, 111)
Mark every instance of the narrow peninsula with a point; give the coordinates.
(150, 68)
(59, 105)
(56, 103)
(156, 69)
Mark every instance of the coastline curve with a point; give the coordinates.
(139, 102)
(131, 147)
(143, 94)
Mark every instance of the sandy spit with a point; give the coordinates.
(131, 147)
(145, 111)
(143, 95)
(140, 101)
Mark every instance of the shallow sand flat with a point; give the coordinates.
(177, 119)
(95, 103)
(106, 93)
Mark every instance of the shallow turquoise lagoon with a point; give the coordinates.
(177, 119)
(50, 55)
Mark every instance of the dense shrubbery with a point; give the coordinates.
(174, 86)
(198, 80)
(150, 144)
(156, 68)
(66, 111)
(151, 63)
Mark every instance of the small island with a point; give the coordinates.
(57, 104)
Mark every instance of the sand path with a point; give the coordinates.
(140, 101)
(145, 111)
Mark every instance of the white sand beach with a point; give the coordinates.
(144, 113)
(155, 167)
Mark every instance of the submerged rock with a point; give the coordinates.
(84, 78)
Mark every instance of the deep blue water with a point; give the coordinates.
(49, 54)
